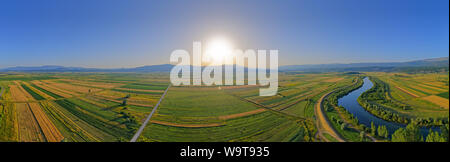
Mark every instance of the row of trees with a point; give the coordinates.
(412, 134)
(381, 131)
(381, 112)
(130, 121)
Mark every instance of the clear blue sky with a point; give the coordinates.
(129, 33)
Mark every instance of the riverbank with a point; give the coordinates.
(350, 103)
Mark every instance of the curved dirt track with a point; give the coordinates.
(323, 124)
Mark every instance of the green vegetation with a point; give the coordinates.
(46, 92)
(340, 118)
(330, 138)
(146, 86)
(7, 118)
(376, 94)
(435, 137)
(25, 77)
(96, 121)
(378, 102)
(342, 127)
(138, 92)
(32, 93)
(259, 127)
(409, 134)
(302, 109)
(198, 102)
(444, 94)
(119, 102)
(382, 131)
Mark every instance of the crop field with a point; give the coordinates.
(264, 126)
(297, 94)
(70, 107)
(238, 113)
(426, 95)
(96, 107)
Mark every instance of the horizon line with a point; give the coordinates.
(222, 64)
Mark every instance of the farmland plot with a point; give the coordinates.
(8, 122)
(35, 95)
(28, 127)
(52, 91)
(442, 102)
(206, 101)
(38, 91)
(74, 128)
(419, 92)
(71, 88)
(258, 127)
(103, 85)
(49, 130)
(19, 95)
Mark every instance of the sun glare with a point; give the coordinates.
(218, 49)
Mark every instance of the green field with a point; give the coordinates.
(408, 96)
(119, 103)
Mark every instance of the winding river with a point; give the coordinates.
(350, 103)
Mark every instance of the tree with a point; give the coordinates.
(413, 133)
(445, 131)
(121, 139)
(434, 137)
(361, 136)
(409, 134)
(343, 126)
(124, 102)
(382, 131)
(373, 129)
(327, 108)
(399, 135)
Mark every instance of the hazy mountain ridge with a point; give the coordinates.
(387, 66)
(436, 62)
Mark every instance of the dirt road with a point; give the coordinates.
(138, 133)
(323, 124)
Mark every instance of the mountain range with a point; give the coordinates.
(385, 66)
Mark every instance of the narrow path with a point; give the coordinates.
(271, 110)
(138, 133)
(323, 124)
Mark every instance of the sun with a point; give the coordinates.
(218, 49)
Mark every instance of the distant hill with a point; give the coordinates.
(442, 62)
(46, 68)
(143, 69)
(434, 64)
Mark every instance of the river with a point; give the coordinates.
(350, 103)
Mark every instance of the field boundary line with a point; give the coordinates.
(138, 133)
(188, 125)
